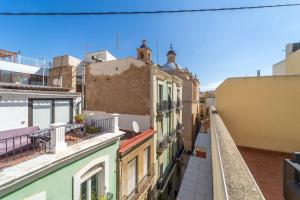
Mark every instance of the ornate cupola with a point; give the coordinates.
(171, 55)
(144, 52)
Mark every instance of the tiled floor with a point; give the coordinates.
(266, 168)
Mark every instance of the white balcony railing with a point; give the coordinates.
(37, 62)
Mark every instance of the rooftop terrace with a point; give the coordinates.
(17, 146)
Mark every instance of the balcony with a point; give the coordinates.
(179, 128)
(14, 150)
(162, 145)
(164, 107)
(143, 185)
(179, 105)
(19, 59)
(162, 181)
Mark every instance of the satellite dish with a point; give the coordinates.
(56, 82)
(135, 127)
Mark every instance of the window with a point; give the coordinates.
(142, 55)
(89, 188)
(46, 111)
(36, 80)
(91, 182)
(16, 77)
(160, 93)
(169, 93)
(146, 161)
(161, 170)
(5, 76)
(132, 175)
(41, 113)
(62, 111)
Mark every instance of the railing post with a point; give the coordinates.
(57, 133)
(115, 124)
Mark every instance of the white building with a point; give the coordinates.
(15, 68)
(25, 105)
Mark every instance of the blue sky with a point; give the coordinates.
(213, 45)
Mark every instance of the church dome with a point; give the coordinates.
(170, 66)
(171, 51)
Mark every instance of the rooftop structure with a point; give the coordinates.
(16, 68)
(77, 158)
(190, 98)
(291, 64)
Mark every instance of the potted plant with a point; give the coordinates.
(79, 119)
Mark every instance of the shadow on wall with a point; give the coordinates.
(125, 120)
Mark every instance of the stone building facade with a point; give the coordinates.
(190, 98)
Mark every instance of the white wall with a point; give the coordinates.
(14, 108)
(100, 55)
(279, 68)
(210, 101)
(125, 120)
(16, 67)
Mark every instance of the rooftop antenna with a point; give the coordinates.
(117, 41)
(157, 60)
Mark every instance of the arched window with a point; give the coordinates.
(142, 55)
(91, 182)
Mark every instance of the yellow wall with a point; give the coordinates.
(262, 112)
(138, 153)
(293, 63)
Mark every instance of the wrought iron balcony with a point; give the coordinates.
(143, 185)
(173, 135)
(179, 128)
(162, 145)
(165, 106)
(179, 105)
(162, 181)
(180, 153)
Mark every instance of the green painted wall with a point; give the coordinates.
(59, 184)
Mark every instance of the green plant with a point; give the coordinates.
(92, 129)
(79, 118)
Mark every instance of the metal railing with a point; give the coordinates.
(39, 142)
(179, 104)
(162, 144)
(142, 186)
(21, 145)
(89, 129)
(28, 61)
(168, 172)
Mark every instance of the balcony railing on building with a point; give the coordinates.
(179, 128)
(25, 146)
(162, 144)
(179, 105)
(143, 185)
(24, 60)
(161, 183)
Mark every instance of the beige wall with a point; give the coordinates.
(138, 153)
(121, 86)
(68, 75)
(289, 66)
(190, 98)
(262, 112)
(293, 63)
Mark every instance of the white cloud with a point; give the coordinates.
(210, 86)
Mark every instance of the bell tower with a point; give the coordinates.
(144, 52)
(171, 55)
